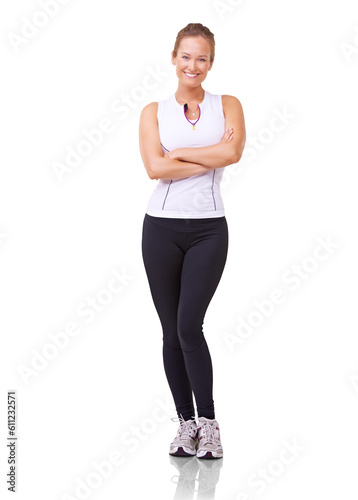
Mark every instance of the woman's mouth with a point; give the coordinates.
(191, 75)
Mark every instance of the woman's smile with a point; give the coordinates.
(191, 75)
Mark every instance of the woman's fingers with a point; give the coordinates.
(227, 135)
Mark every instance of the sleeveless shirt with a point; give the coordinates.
(197, 196)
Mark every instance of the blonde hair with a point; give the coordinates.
(196, 29)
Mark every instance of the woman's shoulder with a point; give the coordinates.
(150, 107)
(229, 99)
(149, 111)
(231, 103)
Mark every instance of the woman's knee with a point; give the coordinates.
(190, 332)
(171, 338)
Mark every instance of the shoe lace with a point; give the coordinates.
(185, 426)
(208, 430)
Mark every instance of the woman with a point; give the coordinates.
(186, 141)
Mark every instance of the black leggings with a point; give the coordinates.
(184, 260)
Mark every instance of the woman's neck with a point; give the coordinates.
(189, 96)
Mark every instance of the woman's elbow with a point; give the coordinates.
(237, 152)
(152, 175)
(234, 157)
(150, 169)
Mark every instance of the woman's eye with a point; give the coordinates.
(186, 57)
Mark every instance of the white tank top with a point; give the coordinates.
(197, 196)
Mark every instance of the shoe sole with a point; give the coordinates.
(180, 452)
(209, 456)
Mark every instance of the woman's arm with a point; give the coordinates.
(223, 153)
(158, 166)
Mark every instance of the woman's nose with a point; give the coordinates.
(192, 66)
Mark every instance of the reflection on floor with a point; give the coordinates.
(196, 475)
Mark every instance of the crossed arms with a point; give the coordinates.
(181, 163)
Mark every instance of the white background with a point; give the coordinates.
(294, 378)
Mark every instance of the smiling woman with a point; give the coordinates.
(196, 30)
(186, 141)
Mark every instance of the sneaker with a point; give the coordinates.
(186, 440)
(209, 439)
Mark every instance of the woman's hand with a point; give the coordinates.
(172, 154)
(227, 135)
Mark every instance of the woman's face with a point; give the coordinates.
(193, 60)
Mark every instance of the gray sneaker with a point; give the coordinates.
(209, 439)
(186, 440)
